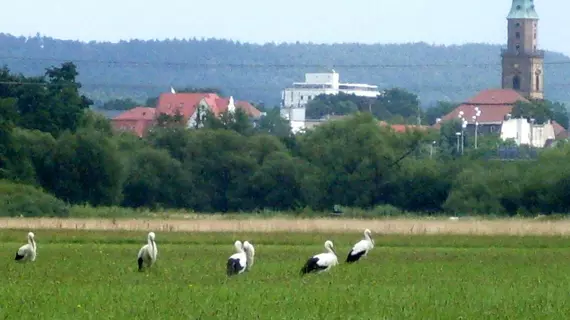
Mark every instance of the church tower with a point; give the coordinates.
(522, 62)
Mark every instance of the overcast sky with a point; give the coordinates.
(367, 21)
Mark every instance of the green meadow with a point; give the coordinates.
(93, 275)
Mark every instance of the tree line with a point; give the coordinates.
(49, 138)
(139, 69)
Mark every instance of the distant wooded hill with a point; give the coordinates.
(140, 69)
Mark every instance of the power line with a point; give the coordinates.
(225, 87)
(260, 65)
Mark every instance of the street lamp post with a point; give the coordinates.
(475, 118)
(532, 120)
(457, 144)
(463, 126)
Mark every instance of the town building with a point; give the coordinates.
(295, 98)
(522, 61)
(137, 120)
(490, 111)
(190, 106)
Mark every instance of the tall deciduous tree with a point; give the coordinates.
(84, 167)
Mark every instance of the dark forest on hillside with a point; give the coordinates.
(138, 69)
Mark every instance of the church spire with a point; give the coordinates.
(523, 62)
(523, 9)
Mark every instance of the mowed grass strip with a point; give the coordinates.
(92, 275)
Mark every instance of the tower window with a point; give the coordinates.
(518, 35)
(537, 82)
(517, 25)
(516, 83)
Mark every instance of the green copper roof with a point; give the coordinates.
(522, 9)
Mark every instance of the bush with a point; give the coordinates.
(28, 201)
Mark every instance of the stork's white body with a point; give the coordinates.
(250, 254)
(148, 253)
(321, 262)
(27, 252)
(237, 262)
(361, 248)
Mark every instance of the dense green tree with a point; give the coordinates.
(356, 159)
(7, 116)
(397, 102)
(272, 123)
(31, 150)
(538, 110)
(156, 180)
(340, 104)
(278, 183)
(439, 110)
(119, 104)
(229, 162)
(221, 168)
(93, 120)
(84, 167)
(51, 103)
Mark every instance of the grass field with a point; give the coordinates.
(92, 275)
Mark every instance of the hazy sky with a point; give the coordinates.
(368, 21)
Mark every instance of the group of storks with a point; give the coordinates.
(237, 263)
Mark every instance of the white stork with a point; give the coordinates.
(321, 262)
(148, 253)
(361, 248)
(237, 262)
(27, 252)
(250, 254)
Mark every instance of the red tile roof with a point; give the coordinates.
(559, 131)
(222, 106)
(137, 120)
(185, 103)
(137, 113)
(494, 104)
(248, 108)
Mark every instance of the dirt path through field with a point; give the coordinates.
(396, 226)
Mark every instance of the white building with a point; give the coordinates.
(523, 132)
(295, 98)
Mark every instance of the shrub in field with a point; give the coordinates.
(24, 200)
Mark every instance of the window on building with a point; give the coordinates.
(516, 82)
(518, 35)
(517, 25)
(537, 82)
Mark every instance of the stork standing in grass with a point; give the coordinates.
(237, 262)
(148, 253)
(27, 252)
(250, 254)
(361, 248)
(321, 262)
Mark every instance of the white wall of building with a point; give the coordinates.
(295, 98)
(522, 132)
